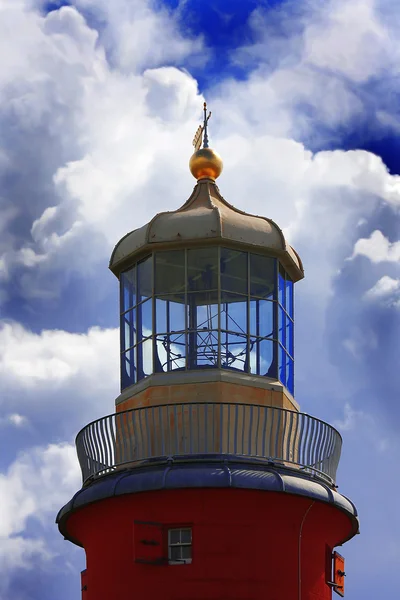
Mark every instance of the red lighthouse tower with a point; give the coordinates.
(208, 482)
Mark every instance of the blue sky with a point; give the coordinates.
(99, 103)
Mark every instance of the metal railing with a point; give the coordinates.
(209, 430)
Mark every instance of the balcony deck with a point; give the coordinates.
(205, 431)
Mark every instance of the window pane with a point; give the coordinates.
(262, 278)
(261, 317)
(201, 315)
(261, 357)
(128, 289)
(145, 358)
(174, 536)
(128, 371)
(282, 364)
(289, 336)
(144, 319)
(175, 553)
(205, 351)
(186, 536)
(282, 326)
(170, 315)
(289, 296)
(234, 352)
(266, 358)
(186, 552)
(233, 312)
(202, 269)
(170, 272)
(170, 352)
(289, 375)
(128, 329)
(145, 278)
(234, 271)
(281, 285)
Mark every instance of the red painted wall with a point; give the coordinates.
(245, 545)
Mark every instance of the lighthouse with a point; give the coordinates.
(207, 481)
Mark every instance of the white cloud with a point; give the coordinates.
(35, 486)
(377, 248)
(13, 419)
(59, 373)
(387, 290)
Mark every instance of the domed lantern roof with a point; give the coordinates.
(207, 216)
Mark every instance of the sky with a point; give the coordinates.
(99, 104)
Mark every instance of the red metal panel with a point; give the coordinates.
(84, 586)
(149, 543)
(338, 573)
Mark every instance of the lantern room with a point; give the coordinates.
(207, 307)
(207, 287)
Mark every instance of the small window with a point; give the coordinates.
(180, 546)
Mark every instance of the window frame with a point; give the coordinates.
(183, 561)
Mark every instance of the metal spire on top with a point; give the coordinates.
(198, 138)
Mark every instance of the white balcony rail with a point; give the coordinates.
(207, 431)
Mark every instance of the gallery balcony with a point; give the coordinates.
(199, 431)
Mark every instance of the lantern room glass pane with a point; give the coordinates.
(289, 296)
(144, 319)
(128, 329)
(202, 269)
(289, 374)
(234, 351)
(289, 336)
(261, 357)
(145, 358)
(170, 352)
(262, 276)
(281, 286)
(145, 279)
(170, 315)
(234, 312)
(282, 364)
(261, 317)
(128, 289)
(170, 272)
(233, 271)
(128, 370)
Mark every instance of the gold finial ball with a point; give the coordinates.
(206, 164)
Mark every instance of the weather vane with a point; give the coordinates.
(198, 138)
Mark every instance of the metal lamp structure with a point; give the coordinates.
(208, 482)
